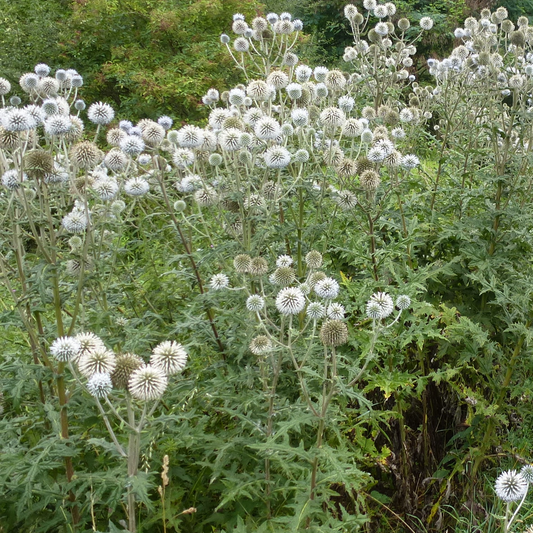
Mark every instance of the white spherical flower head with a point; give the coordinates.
(98, 360)
(75, 222)
(294, 91)
(284, 261)
(11, 179)
(380, 11)
(403, 302)
(300, 117)
(527, 473)
(277, 157)
(332, 117)
(327, 288)
(303, 73)
(510, 486)
(346, 103)
(65, 348)
(335, 311)
(219, 281)
(381, 28)
(100, 113)
(18, 120)
(320, 73)
(169, 356)
(147, 383)
(267, 128)
(384, 303)
(290, 301)
(99, 385)
(165, 121)
(136, 186)
(89, 342)
(106, 189)
(255, 303)
(409, 162)
(5, 86)
(132, 145)
(426, 23)
(190, 136)
(316, 311)
(261, 345)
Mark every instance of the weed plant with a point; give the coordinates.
(344, 258)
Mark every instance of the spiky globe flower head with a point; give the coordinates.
(38, 163)
(335, 80)
(126, 364)
(346, 103)
(5, 86)
(426, 23)
(352, 128)
(132, 145)
(36, 113)
(106, 188)
(98, 360)
(267, 128)
(136, 186)
(315, 311)
(242, 263)
(147, 383)
(315, 277)
(115, 136)
(346, 168)
(327, 288)
(99, 385)
(218, 282)
(261, 345)
(75, 222)
(258, 266)
(527, 473)
(86, 155)
(345, 199)
(169, 356)
(116, 160)
(258, 90)
(283, 276)
(42, 70)
(240, 44)
(255, 303)
(230, 139)
(300, 117)
(100, 113)
(321, 90)
(278, 79)
(369, 180)
(290, 59)
(65, 349)
(403, 302)
(332, 117)
(57, 125)
(379, 306)
(333, 333)
(313, 259)
(9, 139)
(11, 179)
(350, 11)
(206, 196)
(277, 157)
(290, 301)
(239, 26)
(335, 311)
(48, 87)
(18, 120)
(165, 122)
(89, 342)
(29, 82)
(409, 161)
(510, 486)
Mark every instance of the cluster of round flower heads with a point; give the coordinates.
(381, 305)
(260, 31)
(104, 370)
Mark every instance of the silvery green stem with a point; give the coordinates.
(517, 509)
